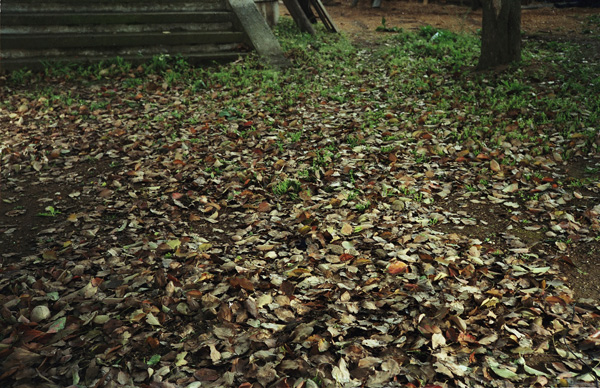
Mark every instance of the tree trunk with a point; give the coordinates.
(500, 33)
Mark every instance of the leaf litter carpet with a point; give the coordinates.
(157, 234)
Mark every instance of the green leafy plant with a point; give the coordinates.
(50, 211)
(362, 206)
(287, 186)
(295, 136)
(384, 28)
(579, 183)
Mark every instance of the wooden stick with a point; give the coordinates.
(324, 16)
(299, 17)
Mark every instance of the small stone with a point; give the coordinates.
(398, 205)
(40, 313)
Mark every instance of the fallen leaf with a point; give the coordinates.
(151, 319)
(57, 326)
(340, 372)
(241, 282)
(397, 267)
(347, 229)
(495, 166)
(264, 207)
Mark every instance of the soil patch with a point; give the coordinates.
(537, 19)
(34, 206)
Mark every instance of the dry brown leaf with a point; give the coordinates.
(397, 267)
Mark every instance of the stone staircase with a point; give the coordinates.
(35, 32)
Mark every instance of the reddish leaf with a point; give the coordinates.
(346, 257)
(426, 257)
(397, 267)
(152, 342)
(195, 217)
(57, 326)
(174, 280)
(194, 294)
(264, 207)
(205, 374)
(32, 334)
(555, 299)
(244, 283)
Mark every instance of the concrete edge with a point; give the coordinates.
(261, 36)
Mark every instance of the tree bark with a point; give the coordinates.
(500, 33)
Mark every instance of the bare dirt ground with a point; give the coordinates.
(537, 19)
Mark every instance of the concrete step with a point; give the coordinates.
(39, 63)
(87, 6)
(34, 31)
(44, 19)
(64, 41)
